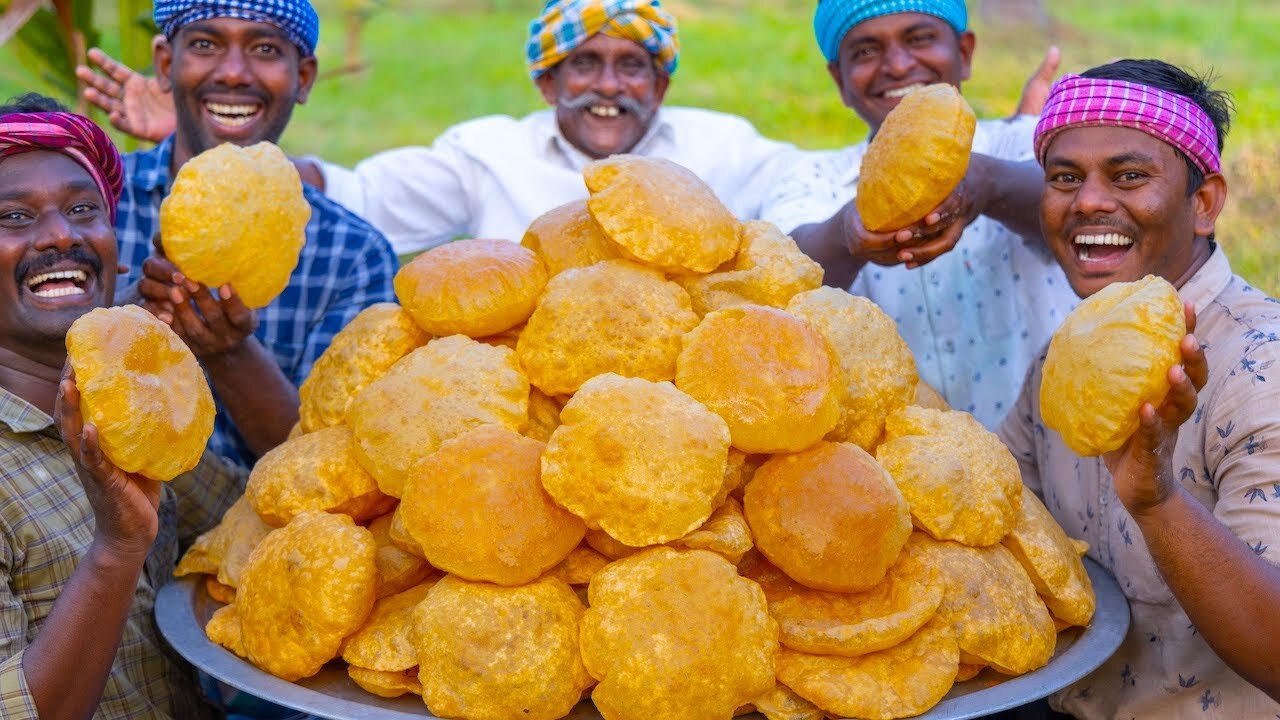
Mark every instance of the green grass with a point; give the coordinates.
(431, 63)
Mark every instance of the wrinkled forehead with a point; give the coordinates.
(34, 173)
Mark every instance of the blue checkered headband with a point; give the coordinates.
(296, 18)
(834, 18)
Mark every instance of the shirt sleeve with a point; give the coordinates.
(1243, 451)
(802, 192)
(367, 267)
(419, 197)
(204, 494)
(1017, 431)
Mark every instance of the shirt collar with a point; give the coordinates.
(20, 415)
(151, 167)
(1209, 281)
(555, 142)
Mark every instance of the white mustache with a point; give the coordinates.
(587, 99)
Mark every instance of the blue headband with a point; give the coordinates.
(296, 18)
(834, 18)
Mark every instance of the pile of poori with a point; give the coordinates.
(642, 458)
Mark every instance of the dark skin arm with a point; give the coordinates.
(1197, 554)
(261, 401)
(1006, 191)
(67, 664)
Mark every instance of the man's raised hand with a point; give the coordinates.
(136, 104)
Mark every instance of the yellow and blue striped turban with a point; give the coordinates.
(835, 18)
(296, 18)
(566, 24)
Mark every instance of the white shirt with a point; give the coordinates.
(492, 176)
(975, 317)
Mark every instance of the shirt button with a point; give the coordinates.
(949, 345)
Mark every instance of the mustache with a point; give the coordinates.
(589, 98)
(47, 259)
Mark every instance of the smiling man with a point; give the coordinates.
(1187, 514)
(604, 66)
(83, 545)
(236, 69)
(976, 315)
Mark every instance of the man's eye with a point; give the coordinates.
(267, 49)
(921, 38)
(82, 208)
(200, 44)
(583, 62)
(1131, 176)
(1062, 178)
(11, 216)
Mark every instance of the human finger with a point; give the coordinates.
(926, 252)
(116, 70)
(210, 306)
(66, 409)
(239, 316)
(191, 326)
(1194, 362)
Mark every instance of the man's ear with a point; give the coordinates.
(1207, 203)
(307, 70)
(546, 83)
(967, 42)
(162, 61)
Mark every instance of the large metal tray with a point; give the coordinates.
(183, 607)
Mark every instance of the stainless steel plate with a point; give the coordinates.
(183, 608)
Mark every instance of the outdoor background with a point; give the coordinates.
(426, 64)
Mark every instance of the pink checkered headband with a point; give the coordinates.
(1077, 101)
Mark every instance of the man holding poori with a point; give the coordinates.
(1176, 494)
(237, 70)
(990, 294)
(85, 545)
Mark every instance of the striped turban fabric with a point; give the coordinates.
(834, 18)
(566, 24)
(296, 18)
(1077, 101)
(72, 135)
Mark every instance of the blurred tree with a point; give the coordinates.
(1013, 12)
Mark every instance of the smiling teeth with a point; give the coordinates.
(78, 276)
(605, 111)
(59, 292)
(1108, 239)
(899, 92)
(223, 109)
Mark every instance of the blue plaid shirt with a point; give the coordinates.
(345, 266)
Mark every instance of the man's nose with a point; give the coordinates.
(899, 62)
(233, 69)
(55, 232)
(1094, 197)
(609, 82)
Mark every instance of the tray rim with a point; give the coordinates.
(176, 603)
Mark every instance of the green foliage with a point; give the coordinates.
(45, 53)
(136, 31)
